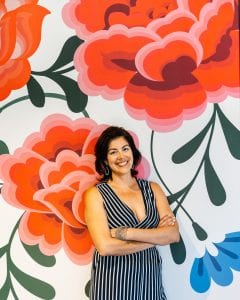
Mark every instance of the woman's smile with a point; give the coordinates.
(119, 155)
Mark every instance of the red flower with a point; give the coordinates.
(167, 71)
(20, 36)
(47, 177)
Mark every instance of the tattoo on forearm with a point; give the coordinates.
(121, 233)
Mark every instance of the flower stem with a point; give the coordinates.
(205, 155)
(190, 184)
(49, 95)
(44, 73)
(8, 255)
(154, 164)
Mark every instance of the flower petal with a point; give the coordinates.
(77, 244)
(58, 132)
(42, 229)
(20, 174)
(178, 20)
(85, 182)
(59, 200)
(220, 76)
(215, 20)
(13, 75)
(153, 59)
(164, 105)
(66, 162)
(199, 279)
(111, 12)
(220, 273)
(106, 61)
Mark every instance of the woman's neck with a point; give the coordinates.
(123, 181)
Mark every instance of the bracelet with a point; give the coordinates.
(121, 233)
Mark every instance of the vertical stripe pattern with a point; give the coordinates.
(136, 276)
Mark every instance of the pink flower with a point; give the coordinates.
(47, 177)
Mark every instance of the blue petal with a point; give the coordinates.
(231, 242)
(219, 272)
(199, 278)
(228, 257)
(219, 268)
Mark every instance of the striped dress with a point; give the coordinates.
(134, 276)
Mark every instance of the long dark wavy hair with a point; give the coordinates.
(101, 150)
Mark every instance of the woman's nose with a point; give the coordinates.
(120, 154)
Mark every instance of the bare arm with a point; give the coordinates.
(97, 224)
(167, 231)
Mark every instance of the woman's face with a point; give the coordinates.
(119, 156)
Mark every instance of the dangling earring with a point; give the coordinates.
(106, 171)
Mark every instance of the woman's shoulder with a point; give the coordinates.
(156, 188)
(91, 191)
(100, 183)
(152, 184)
(147, 182)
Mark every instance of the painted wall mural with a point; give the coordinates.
(166, 70)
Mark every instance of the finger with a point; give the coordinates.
(167, 220)
(164, 218)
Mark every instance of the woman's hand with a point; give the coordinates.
(167, 220)
(113, 232)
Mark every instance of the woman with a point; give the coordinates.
(123, 217)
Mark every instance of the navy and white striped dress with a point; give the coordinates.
(134, 276)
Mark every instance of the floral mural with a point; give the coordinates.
(162, 65)
(47, 177)
(169, 58)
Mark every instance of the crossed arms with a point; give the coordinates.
(122, 241)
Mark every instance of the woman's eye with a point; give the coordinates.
(125, 149)
(112, 152)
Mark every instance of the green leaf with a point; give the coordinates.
(87, 289)
(76, 99)
(174, 197)
(4, 291)
(199, 231)
(38, 256)
(187, 151)
(66, 54)
(232, 135)
(3, 251)
(178, 251)
(215, 188)
(35, 286)
(3, 148)
(36, 93)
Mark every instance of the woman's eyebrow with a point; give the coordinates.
(117, 148)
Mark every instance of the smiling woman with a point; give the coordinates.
(126, 217)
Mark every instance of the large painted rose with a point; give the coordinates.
(20, 34)
(47, 177)
(168, 70)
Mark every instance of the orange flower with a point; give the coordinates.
(47, 177)
(89, 16)
(169, 70)
(20, 34)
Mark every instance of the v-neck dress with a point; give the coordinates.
(135, 276)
